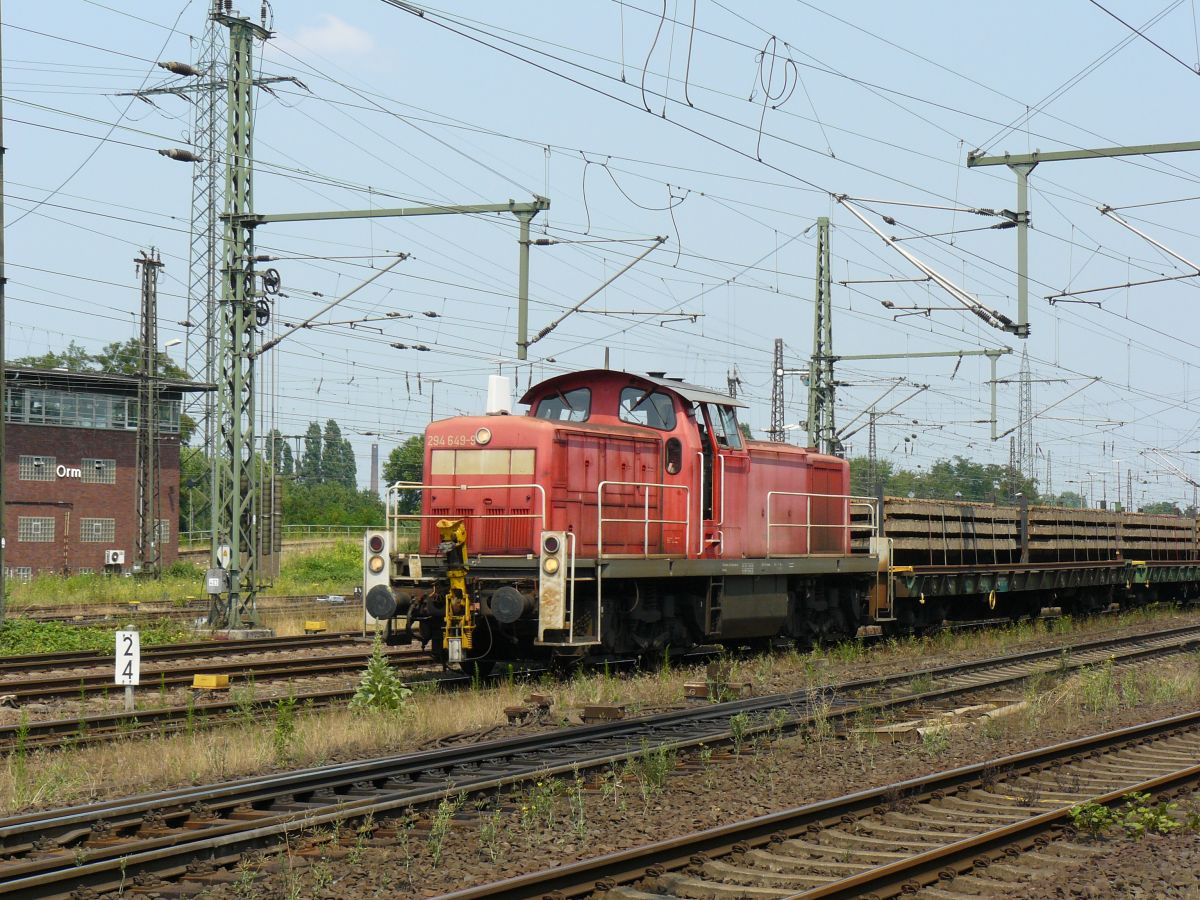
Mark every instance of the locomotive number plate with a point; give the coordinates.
(451, 440)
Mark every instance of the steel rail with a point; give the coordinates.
(295, 666)
(183, 650)
(103, 727)
(165, 720)
(975, 852)
(217, 823)
(606, 872)
(155, 609)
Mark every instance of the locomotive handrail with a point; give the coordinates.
(645, 521)
(851, 502)
(393, 516)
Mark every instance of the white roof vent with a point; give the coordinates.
(499, 396)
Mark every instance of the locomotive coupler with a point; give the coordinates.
(458, 633)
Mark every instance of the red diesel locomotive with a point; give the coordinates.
(622, 515)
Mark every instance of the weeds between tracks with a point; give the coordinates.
(556, 821)
(246, 744)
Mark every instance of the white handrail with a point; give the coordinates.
(645, 521)
(393, 499)
(850, 503)
(720, 523)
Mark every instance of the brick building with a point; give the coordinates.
(70, 468)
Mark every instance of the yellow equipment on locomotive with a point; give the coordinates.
(458, 634)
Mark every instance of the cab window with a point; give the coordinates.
(642, 406)
(732, 432)
(725, 427)
(566, 406)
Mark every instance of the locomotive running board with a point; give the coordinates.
(863, 564)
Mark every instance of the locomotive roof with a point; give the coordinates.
(693, 392)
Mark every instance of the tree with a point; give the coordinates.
(194, 476)
(337, 458)
(349, 464)
(309, 471)
(74, 359)
(860, 482)
(1162, 508)
(406, 463)
(330, 504)
(278, 453)
(1067, 499)
(947, 479)
(286, 465)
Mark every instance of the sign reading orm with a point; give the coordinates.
(68, 472)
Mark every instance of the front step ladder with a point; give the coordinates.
(883, 594)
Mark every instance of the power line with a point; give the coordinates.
(108, 134)
(1146, 37)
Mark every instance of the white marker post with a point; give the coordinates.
(129, 663)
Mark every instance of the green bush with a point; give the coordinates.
(19, 637)
(380, 687)
(1142, 816)
(1092, 818)
(183, 569)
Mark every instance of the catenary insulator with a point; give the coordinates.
(180, 68)
(180, 155)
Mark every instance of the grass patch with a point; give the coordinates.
(336, 569)
(19, 637)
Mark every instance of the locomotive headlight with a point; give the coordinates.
(550, 566)
(483, 436)
(375, 564)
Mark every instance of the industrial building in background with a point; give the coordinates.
(70, 468)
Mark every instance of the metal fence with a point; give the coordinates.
(290, 532)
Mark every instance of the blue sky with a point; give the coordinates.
(637, 124)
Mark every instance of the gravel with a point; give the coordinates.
(1157, 866)
(540, 826)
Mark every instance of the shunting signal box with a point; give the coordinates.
(378, 601)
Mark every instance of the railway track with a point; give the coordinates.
(49, 853)
(193, 609)
(92, 683)
(956, 834)
(15, 665)
(98, 727)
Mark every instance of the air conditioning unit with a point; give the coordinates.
(114, 557)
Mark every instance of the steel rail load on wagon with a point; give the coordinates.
(629, 514)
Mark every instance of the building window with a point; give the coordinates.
(35, 529)
(81, 409)
(162, 534)
(21, 573)
(37, 468)
(99, 471)
(97, 531)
